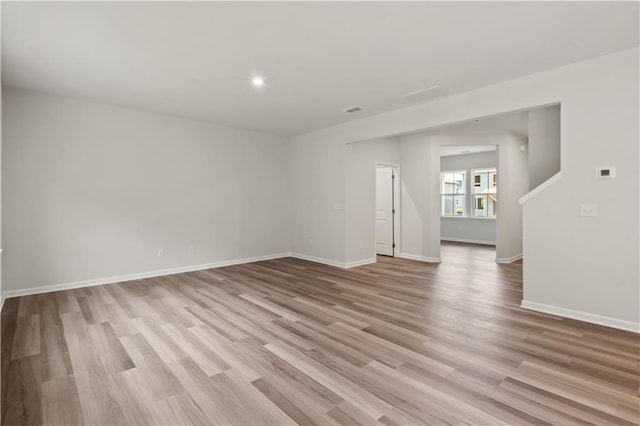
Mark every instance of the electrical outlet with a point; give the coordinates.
(606, 173)
(361, 245)
(310, 242)
(588, 210)
(191, 249)
(160, 252)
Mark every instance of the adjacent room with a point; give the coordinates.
(345, 213)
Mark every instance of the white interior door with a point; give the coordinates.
(384, 211)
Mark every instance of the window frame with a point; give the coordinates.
(491, 182)
(464, 193)
(468, 194)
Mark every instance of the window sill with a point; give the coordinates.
(467, 217)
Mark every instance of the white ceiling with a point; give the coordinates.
(517, 122)
(195, 59)
(447, 151)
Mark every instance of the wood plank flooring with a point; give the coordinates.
(287, 341)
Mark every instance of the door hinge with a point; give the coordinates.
(393, 211)
(393, 245)
(393, 176)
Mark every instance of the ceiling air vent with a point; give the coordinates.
(424, 95)
(353, 109)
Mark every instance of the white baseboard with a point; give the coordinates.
(359, 263)
(171, 271)
(420, 258)
(136, 276)
(582, 316)
(509, 259)
(318, 260)
(465, 240)
(335, 263)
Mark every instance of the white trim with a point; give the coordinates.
(540, 188)
(2, 296)
(582, 316)
(470, 217)
(466, 240)
(137, 276)
(318, 260)
(335, 263)
(509, 259)
(420, 258)
(359, 263)
(172, 271)
(383, 164)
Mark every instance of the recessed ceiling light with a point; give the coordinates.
(257, 81)
(477, 120)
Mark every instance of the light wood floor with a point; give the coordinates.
(289, 341)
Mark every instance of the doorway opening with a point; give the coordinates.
(387, 217)
(469, 177)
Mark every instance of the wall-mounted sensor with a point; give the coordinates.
(606, 173)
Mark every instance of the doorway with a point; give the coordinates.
(468, 196)
(386, 214)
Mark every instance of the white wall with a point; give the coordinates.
(361, 195)
(513, 183)
(318, 218)
(544, 144)
(585, 265)
(420, 162)
(93, 191)
(469, 229)
(475, 160)
(1, 293)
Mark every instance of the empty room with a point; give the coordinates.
(343, 213)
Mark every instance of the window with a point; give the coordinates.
(452, 193)
(485, 197)
(482, 199)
